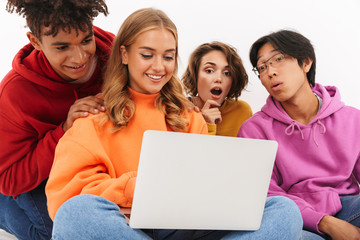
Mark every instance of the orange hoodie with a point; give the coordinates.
(90, 159)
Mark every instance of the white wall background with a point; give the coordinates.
(333, 26)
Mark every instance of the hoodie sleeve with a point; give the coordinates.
(81, 166)
(255, 128)
(25, 155)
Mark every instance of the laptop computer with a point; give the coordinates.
(195, 181)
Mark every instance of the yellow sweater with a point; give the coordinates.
(233, 114)
(90, 159)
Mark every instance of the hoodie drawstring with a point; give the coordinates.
(76, 95)
(291, 128)
(322, 131)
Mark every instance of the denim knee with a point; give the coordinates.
(288, 212)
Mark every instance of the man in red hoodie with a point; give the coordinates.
(53, 81)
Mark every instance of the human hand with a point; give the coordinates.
(338, 229)
(82, 107)
(211, 112)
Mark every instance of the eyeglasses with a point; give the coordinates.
(274, 61)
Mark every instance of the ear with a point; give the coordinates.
(34, 41)
(307, 65)
(124, 55)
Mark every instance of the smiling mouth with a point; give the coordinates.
(216, 91)
(76, 67)
(155, 77)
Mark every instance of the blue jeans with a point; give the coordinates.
(350, 212)
(93, 217)
(26, 216)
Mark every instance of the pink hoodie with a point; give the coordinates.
(316, 164)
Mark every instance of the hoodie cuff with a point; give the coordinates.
(211, 128)
(311, 219)
(58, 132)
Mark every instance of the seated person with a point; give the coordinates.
(214, 79)
(318, 159)
(95, 165)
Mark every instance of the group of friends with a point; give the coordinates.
(75, 105)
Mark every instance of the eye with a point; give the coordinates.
(209, 70)
(61, 48)
(261, 67)
(88, 40)
(279, 58)
(169, 58)
(146, 56)
(227, 73)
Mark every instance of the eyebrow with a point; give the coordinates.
(152, 49)
(66, 43)
(214, 64)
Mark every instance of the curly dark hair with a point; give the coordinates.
(57, 14)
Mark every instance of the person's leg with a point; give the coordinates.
(92, 217)
(307, 235)
(26, 216)
(281, 220)
(350, 211)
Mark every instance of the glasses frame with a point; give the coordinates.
(267, 63)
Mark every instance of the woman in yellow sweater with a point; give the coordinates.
(95, 165)
(214, 79)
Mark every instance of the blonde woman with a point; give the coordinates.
(96, 162)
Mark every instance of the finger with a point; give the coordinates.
(210, 104)
(212, 115)
(95, 104)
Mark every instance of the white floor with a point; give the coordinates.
(6, 236)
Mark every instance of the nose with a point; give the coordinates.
(271, 70)
(158, 65)
(218, 77)
(78, 55)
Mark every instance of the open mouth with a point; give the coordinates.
(216, 91)
(275, 85)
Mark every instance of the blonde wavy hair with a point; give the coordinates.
(118, 102)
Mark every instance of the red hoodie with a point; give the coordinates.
(34, 103)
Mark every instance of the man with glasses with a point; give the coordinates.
(318, 159)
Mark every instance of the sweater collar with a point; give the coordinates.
(141, 97)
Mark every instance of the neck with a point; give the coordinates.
(303, 107)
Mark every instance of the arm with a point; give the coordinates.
(83, 167)
(338, 229)
(28, 145)
(258, 128)
(25, 160)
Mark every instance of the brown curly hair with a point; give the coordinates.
(237, 70)
(57, 14)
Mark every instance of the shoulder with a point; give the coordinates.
(88, 128)
(16, 90)
(237, 105)
(258, 120)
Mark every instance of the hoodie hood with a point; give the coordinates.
(331, 104)
(32, 64)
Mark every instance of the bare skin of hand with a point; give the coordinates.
(338, 229)
(82, 107)
(211, 112)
